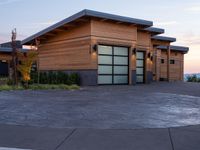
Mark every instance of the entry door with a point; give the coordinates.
(3, 68)
(140, 63)
(112, 65)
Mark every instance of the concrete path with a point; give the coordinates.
(22, 137)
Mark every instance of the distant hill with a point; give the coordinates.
(186, 75)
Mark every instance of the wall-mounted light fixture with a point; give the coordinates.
(149, 55)
(94, 48)
(151, 58)
(134, 50)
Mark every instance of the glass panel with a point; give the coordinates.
(104, 69)
(104, 79)
(140, 55)
(120, 69)
(140, 79)
(139, 70)
(120, 79)
(121, 51)
(105, 59)
(120, 60)
(140, 63)
(104, 49)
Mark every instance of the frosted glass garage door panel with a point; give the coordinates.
(105, 50)
(140, 63)
(140, 55)
(105, 69)
(120, 69)
(104, 79)
(120, 60)
(105, 60)
(140, 79)
(120, 79)
(121, 51)
(140, 70)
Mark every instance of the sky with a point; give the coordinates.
(179, 18)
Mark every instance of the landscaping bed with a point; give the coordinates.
(40, 87)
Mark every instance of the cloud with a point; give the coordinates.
(167, 23)
(193, 9)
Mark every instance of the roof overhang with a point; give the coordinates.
(174, 48)
(163, 38)
(89, 13)
(9, 50)
(154, 31)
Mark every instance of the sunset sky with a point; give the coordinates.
(179, 18)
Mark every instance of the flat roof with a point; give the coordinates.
(155, 30)
(164, 38)
(174, 48)
(90, 13)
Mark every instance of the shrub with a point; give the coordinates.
(9, 88)
(193, 78)
(53, 87)
(56, 78)
(40, 87)
(74, 79)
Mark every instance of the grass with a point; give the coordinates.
(10, 88)
(40, 87)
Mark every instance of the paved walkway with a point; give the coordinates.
(35, 138)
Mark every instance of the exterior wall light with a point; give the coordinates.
(149, 55)
(134, 50)
(94, 48)
(151, 58)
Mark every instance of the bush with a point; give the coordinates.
(40, 87)
(193, 78)
(55, 78)
(53, 87)
(74, 79)
(9, 88)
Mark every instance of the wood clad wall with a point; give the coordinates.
(176, 70)
(113, 30)
(5, 56)
(144, 44)
(143, 39)
(67, 55)
(68, 50)
(163, 66)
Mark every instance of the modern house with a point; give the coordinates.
(108, 49)
(6, 57)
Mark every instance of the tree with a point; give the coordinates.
(24, 67)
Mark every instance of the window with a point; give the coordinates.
(172, 61)
(162, 61)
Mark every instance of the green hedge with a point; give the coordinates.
(55, 78)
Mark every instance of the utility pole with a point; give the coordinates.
(14, 57)
(37, 43)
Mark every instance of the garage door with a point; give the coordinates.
(140, 67)
(112, 65)
(3, 68)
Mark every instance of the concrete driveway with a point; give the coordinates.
(157, 105)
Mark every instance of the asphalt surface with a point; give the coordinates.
(157, 105)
